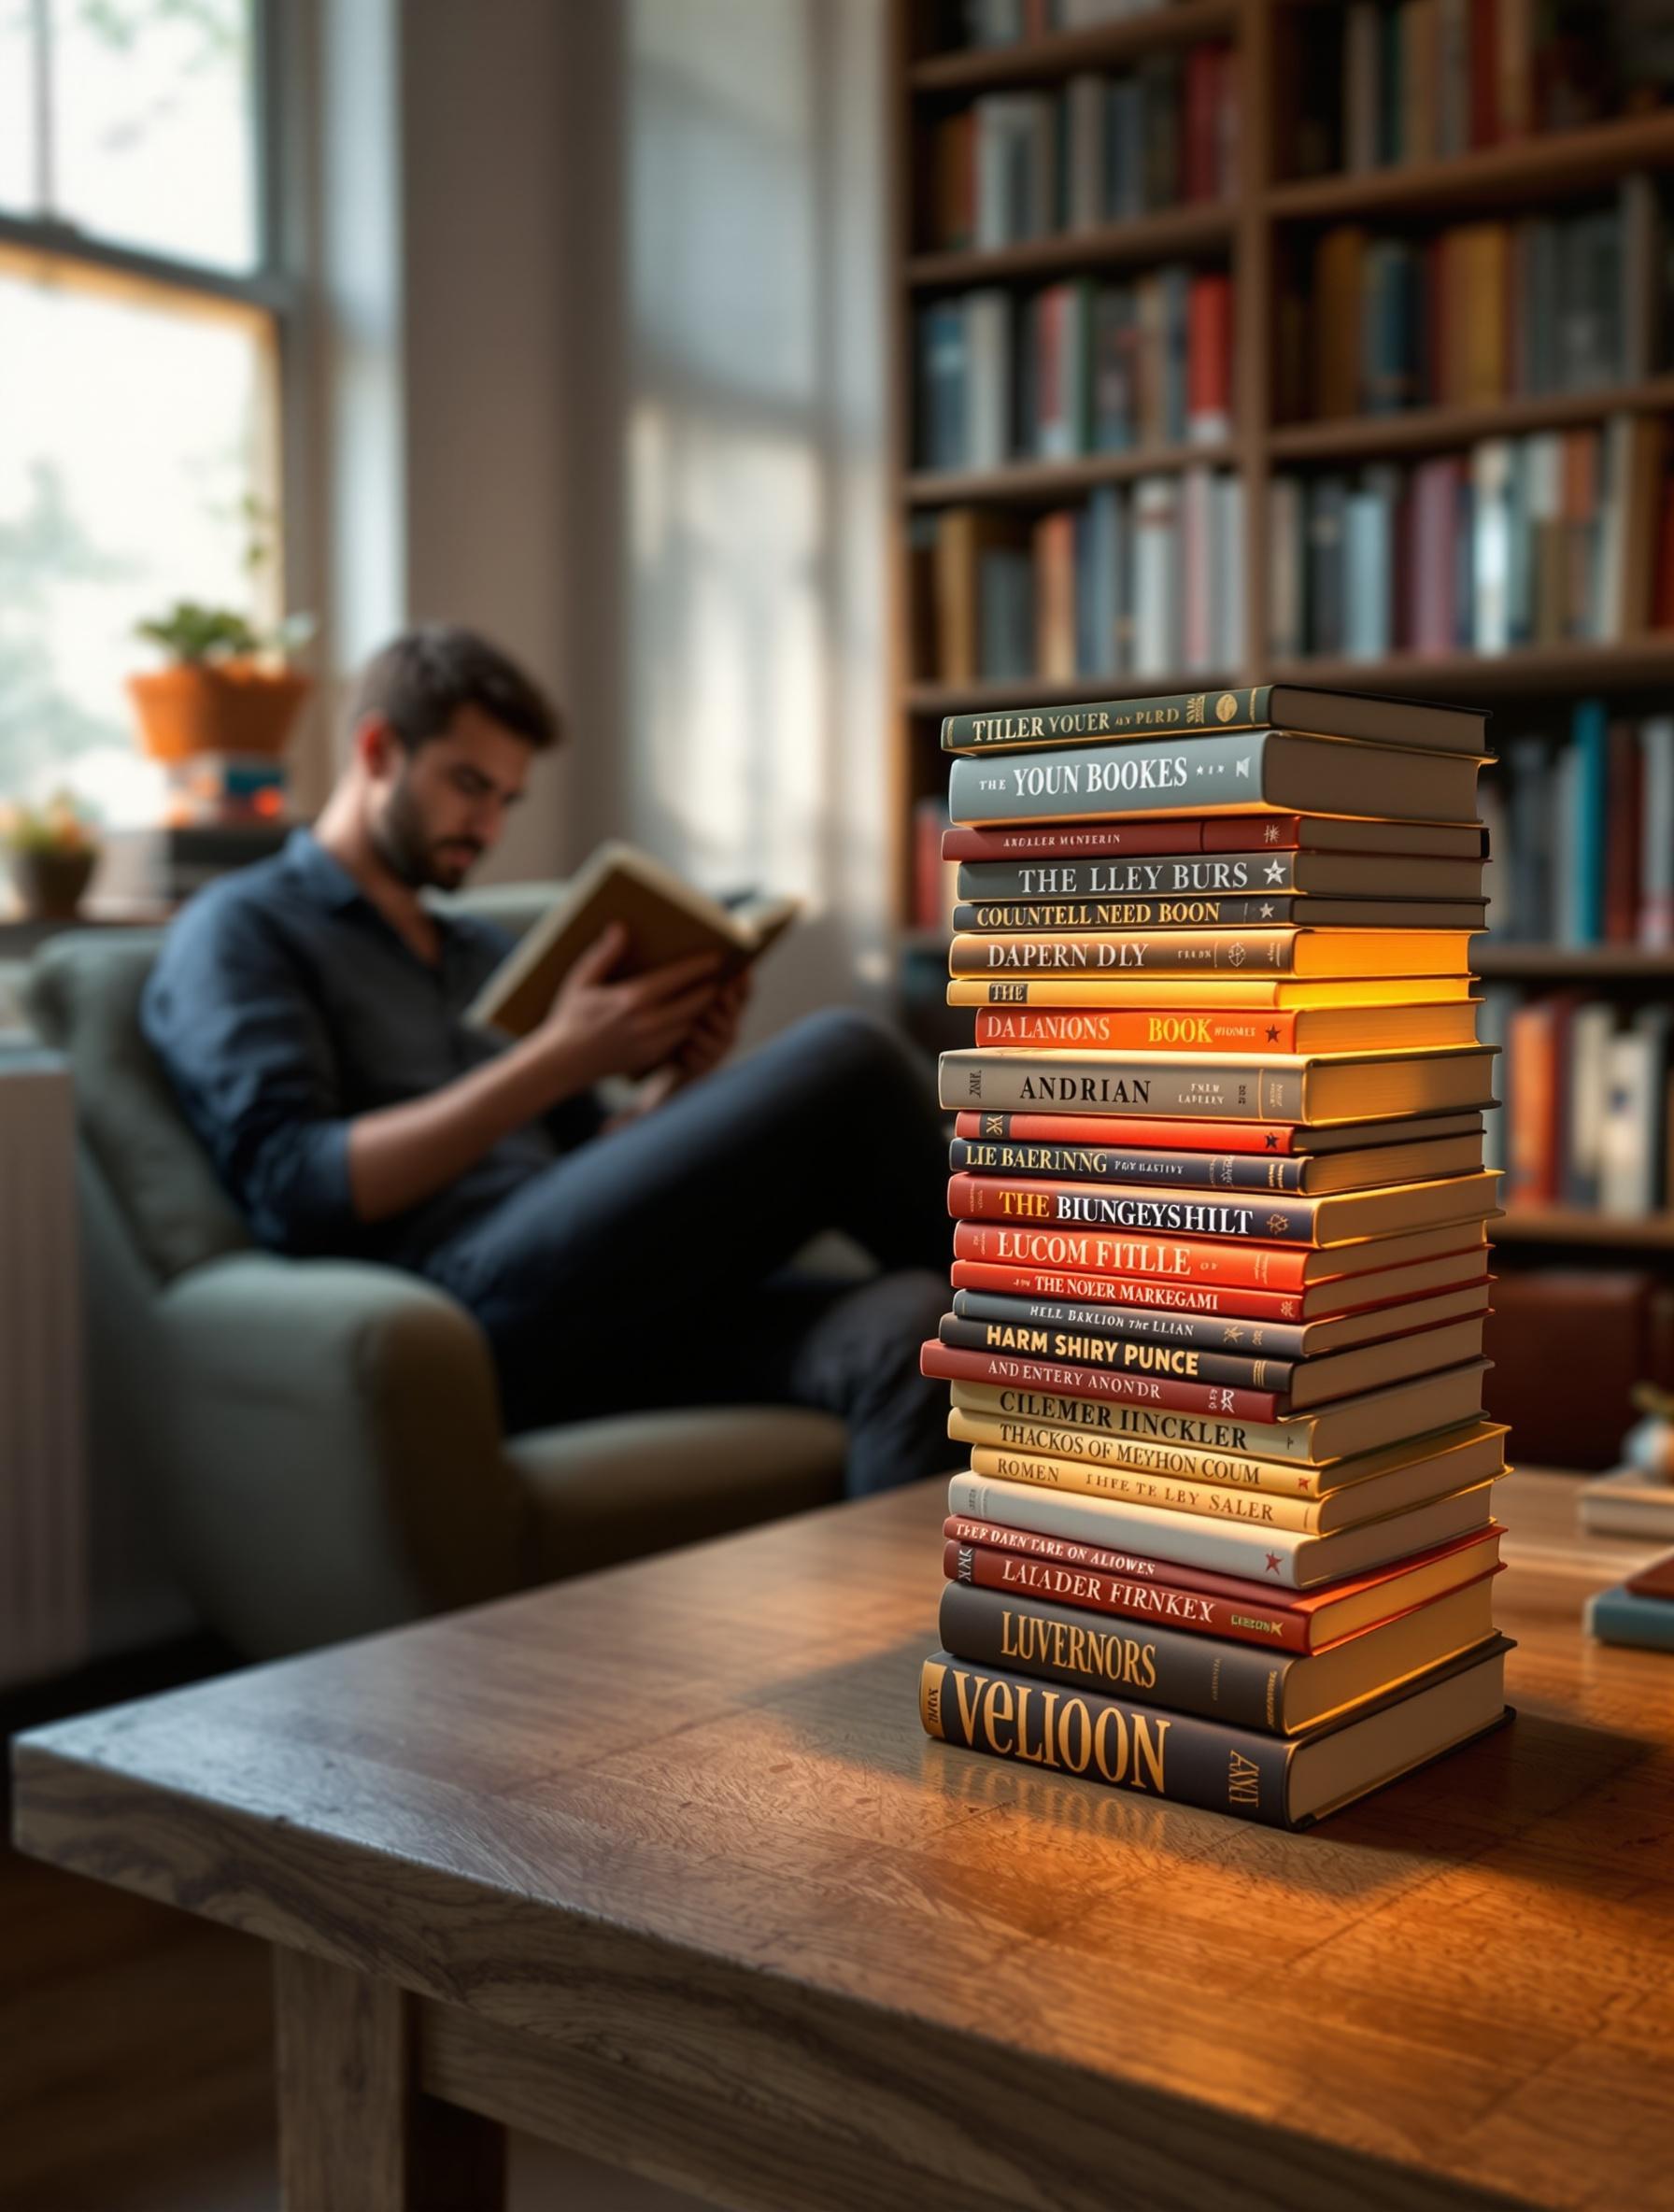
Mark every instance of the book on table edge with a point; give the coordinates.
(1231, 1606)
(1626, 1502)
(666, 919)
(1272, 1693)
(1619, 1616)
(1262, 772)
(1342, 1087)
(1218, 833)
(1298, 707)
(1279, 1782)
(1280, 1558)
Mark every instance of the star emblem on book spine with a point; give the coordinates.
(1276, 1225)
(1273, 1142)
(1275, 871)
(1269, 835)
(1272, 1036)
(1273, 1563)
(1234, 1333)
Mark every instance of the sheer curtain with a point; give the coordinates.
(751, 708)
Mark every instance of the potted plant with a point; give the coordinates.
(228, 689)
(53, 852)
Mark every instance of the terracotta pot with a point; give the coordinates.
(49, 884)
(222, 706)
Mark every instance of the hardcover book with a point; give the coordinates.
(1359, 1086)
(1216, 833)
(1187, 1761)
(665, 920)
(1262, 706)
(1341, 1217)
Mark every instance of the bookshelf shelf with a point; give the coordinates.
(961, 698)
(1106, 46)
(1026, 481)
(1599, 963)
(1421, 430)
(1579, 1225)
(1635, 664)
(1198, 227)
(1539, 168)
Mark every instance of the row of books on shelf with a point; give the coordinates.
(1581, 828)
(1008, 22)
(1140, 578)
(1076, 368)
(1479, 312)
(1562, 536)
(1097, 150)
(1586, 1100)
(1384, 82)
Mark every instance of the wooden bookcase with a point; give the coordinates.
(1533, 173)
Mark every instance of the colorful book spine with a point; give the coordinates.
(953, 1363)
(1119, 1354)
(1195, 1170)
(1270, 1138)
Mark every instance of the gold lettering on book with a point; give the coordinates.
(1243, 1780)
(1074, 1746)
(968, 1710)
(1150, 1736)
(997, 1707)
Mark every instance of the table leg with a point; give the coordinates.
(356, 2133)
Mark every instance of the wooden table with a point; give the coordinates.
(659, 1863)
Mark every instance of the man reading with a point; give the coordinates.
(309, 1013)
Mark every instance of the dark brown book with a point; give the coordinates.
(1656, 1581)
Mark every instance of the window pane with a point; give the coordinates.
(17, 108)
(153, 125)
(137, 428)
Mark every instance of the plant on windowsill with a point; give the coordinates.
(229, 687)
(52, 851)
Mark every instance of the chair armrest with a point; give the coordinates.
(333, 1450)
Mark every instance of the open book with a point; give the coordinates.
(665, 920)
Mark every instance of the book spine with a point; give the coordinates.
(1210, 775)
(1055, 1643)
(1183, 952)
(1279, 1341)
(989, 1437)
(1266, 1555)
(1010, 1568)
(1243, 1266)
(955, 1362)
(1231, 834)
(1131, 1357)
(1167, 1755)
(1242, 1091)
(1139, 1028)
(1173, 714)
(1247, 1439)
(1256, 911)
(1128, 1290)
(1249, 1507)
(1196, 1171)
(1068, 1128)
(1169, 875)
(1276, 1220)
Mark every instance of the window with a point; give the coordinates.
(140, 326)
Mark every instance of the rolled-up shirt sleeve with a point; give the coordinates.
(230, 1014)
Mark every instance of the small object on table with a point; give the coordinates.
(1638, 1611)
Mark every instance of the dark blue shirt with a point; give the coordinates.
(283, 1004)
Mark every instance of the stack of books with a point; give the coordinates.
(1638, 1611)
(1221, 1258)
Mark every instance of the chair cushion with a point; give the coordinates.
(83, 994)
(620, 1488)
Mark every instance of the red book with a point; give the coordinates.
(953, 1363)
(1209, 356)
(1165, 1295)
(1216, 1605)
(1115, 1129)
(1536, 1065)
(1112, 840)
(1177, 1259)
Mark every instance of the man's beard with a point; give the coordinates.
(406, 848)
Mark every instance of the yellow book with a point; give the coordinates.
(1288, 951)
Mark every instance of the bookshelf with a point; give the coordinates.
(1259, 231)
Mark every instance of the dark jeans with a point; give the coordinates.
(648, 1268)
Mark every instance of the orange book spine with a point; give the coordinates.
(1090, 1252)
(1135, 1028)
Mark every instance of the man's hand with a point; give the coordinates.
(715, 1031)
(596, 1028)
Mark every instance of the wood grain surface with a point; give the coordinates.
(672, 1873)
